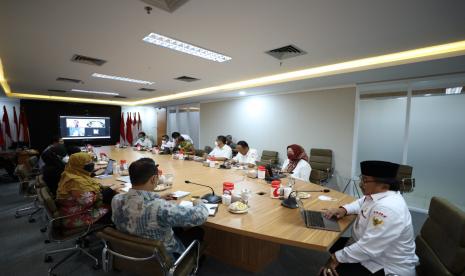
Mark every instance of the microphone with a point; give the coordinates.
(210, 198)
(291, 200)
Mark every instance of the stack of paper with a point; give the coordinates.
(211, 207)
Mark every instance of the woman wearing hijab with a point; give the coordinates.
(297, 163)
(79, 194)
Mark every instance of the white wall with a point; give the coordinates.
(9, 103)
(148, 115)
(317, 119)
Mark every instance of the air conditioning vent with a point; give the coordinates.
(56, 90)
(88, 60)
(146, 89)
(186, 79)
(288, 51)
(120, 97)
(69, 80)
(167, 5)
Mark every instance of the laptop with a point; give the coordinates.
(316, 219)
(108, 169)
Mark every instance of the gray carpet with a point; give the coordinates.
(22, 248)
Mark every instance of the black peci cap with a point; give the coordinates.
(381, 169)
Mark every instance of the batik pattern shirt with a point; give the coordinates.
(147, 215)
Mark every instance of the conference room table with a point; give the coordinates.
(251, 240)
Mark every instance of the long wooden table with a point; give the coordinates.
(251, 240)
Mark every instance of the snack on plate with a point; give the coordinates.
(238, 206)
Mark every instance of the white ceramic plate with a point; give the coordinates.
(238, 212)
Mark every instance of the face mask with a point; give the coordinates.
(142, 138)
(216, 143)
(89, 167)
(163, 142)
(65, 159)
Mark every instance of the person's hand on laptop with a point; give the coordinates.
(335, 213)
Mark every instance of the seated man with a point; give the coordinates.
(56, 140)
(230, 142)
(221, 151)
(245, 155)
(383, 238)
(143, 141)
(53, 159)
(166, 142)
(146, 214)
(186, 137)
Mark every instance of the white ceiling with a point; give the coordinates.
(38, 39)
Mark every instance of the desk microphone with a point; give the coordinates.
(291, 200)
(210, 198)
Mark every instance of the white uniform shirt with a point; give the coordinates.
(301, 171)
(225, 152)
(383, 235)
(145, 144)
(187, 138)
(167, 144)
(249, 158)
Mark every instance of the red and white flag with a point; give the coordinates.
(23, 128)
(139, 123)
(122, 136)
(135, 131)
(129, 130)
(6, 125)
(15, 120)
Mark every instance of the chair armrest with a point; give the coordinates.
(195, 245)
(51, 221)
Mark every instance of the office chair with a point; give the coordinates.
(141, 256)
(440, 246)
(406, 181)
(321, 161)
(27, 188)
(268, 157)
(58, 234)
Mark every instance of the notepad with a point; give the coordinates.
(180, 194)
(124, 179)
(212, 208)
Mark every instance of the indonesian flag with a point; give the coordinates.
(15, 120)
(139, 123)
(129, 129)
(23, 128)
(135, 131)
(122, 137)
(2, 141)
(6, 125)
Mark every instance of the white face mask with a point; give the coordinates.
(216, 143)
(65, 159)
(163, 142)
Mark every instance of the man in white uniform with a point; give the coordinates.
(221, 151)
(186, 137)
(143, 141)
(245, 155)
(166, 143)
(383, 238)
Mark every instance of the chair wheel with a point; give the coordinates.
(32, 220)
(96, 266)
(17, 216)
(43, 230)
(48, 259)
(47, 241)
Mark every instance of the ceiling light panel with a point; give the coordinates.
(184, 47)
(97, 75)
(454, 90)
(94, 92)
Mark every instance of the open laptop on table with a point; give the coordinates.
(108, 169)
(316, 219)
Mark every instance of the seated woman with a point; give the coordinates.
(297, 163)
(186, 146)
(78, 192)
(54, 165)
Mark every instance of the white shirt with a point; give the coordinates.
(167, 144)
(225, 152)
(249, 158)
(187, 138)
(383, 235)
(301, 171)
(145, 144)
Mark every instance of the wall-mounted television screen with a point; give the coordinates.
(84, 127)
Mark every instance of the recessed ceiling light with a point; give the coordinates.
(94, 92)
(242, 93)
(427, 95)
(97, 75)
(184, 47)
(454, 90)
